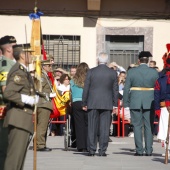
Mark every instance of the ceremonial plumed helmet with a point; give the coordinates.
(7, 40)
(166, 57)
(144, 54)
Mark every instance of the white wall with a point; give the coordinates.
(16, 25)
(161, 33)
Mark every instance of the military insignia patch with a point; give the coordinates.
(21, 67)
(3, 76)
(17, 79)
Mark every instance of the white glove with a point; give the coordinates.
(52, 95)
(31, 100)
(36, 97)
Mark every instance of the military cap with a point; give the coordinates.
(45, 62)
(7, 40)
(145, 54)
(22, 47)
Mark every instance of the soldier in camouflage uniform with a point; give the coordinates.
(6, 62)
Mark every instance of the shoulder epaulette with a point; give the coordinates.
(4, 63)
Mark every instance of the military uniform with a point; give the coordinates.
(18, 120)
(162, 98)
(43, 114)
(19, 116)
(5, 66)
(139, 96)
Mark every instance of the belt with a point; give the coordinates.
(162, 104)
(141, 88)
(26, 106)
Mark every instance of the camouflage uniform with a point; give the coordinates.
(5, 66)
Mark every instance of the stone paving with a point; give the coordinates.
(120, 157)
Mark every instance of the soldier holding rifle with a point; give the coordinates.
(21, 96)
(162, 102)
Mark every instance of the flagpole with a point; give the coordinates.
(35, 45)
(35, 138)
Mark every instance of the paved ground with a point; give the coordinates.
(120, 157)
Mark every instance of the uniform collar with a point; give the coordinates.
(24, 66)
(5, 58)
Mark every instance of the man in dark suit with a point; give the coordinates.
(20, 93)
(100, 97)
(139, 96)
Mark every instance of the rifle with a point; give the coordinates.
(167, 138)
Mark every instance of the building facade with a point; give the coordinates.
(74, 33)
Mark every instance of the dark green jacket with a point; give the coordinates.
(18, 114)
(141, 76)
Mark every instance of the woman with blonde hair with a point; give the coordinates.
(80, 116)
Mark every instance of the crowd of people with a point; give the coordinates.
(90, 96)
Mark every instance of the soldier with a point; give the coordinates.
(6, 62)
(44, 108)
(51, 58)
(162, 99)
(20, 93)
(139, 96)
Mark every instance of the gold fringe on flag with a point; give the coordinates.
(36, 47)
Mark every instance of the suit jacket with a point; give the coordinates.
(101, 88)
(141, 76)
(18, 114)
(43, 102)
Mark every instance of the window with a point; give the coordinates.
(65, 49)
(124, 49)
